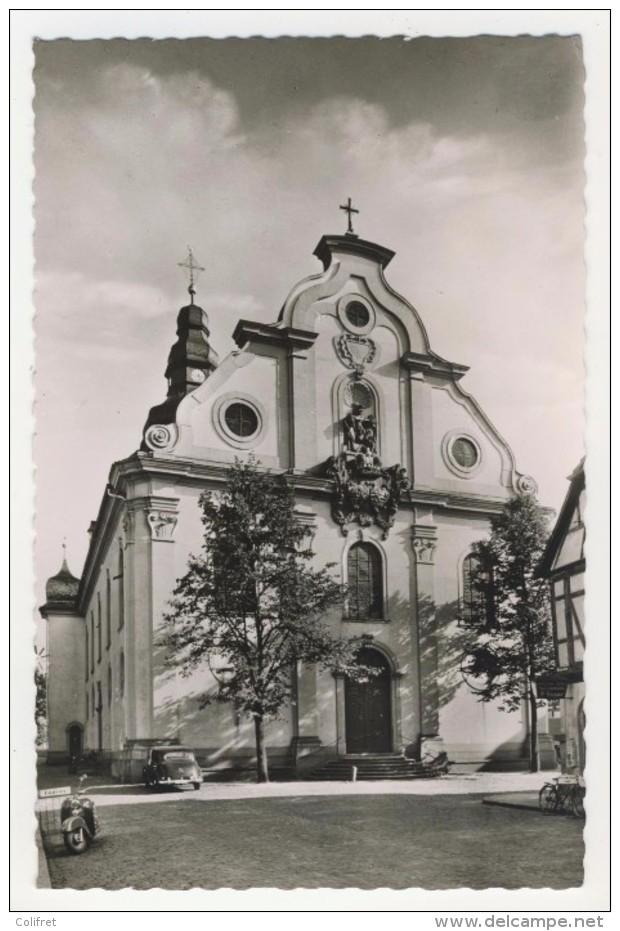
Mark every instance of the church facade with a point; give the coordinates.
(397, 472)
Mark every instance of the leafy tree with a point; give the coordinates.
(511, 607)
(250, 605)
(40, 711)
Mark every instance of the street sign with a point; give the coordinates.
(55, 793)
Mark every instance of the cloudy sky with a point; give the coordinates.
(465, 156)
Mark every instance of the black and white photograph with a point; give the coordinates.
(310, 463)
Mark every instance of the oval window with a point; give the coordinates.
(357, 314)
(241, 420)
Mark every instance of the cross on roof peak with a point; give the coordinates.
(194, 270)
(349, 209)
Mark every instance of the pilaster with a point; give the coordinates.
(151, 522)
(424, 543)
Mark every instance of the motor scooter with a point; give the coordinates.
(79, 823)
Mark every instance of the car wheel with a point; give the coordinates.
(196, 785)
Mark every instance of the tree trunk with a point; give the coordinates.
(262, 771)
(534, 767)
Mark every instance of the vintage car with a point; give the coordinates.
(172, 766)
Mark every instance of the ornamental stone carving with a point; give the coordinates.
(356, 352)
(162, 524)
(526, 485)
(160, 436)
(424, 542)
(364, 491)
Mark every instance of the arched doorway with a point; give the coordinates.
(368, 707)
(74, 739)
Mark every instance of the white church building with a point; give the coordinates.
(397, 471)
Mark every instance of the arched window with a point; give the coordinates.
(108, 609)
(121, 674)
(365, 582)
(477, 601)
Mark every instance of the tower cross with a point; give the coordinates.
(192, 266)
(349, 210)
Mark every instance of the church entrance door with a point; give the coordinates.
(368, 712)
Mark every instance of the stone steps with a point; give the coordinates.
(376, 767)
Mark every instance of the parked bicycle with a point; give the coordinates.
(564, 795)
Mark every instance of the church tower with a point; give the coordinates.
(65, 666)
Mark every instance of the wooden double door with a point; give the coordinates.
(368, 707)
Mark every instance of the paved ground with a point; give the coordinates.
(426, 833)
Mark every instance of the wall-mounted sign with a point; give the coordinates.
(551, 688)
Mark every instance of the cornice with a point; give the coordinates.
(57, 609)
(354, 246)
(433, 365)
(146, 466)
(290, 338)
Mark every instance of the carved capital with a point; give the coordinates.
(160, 514)
(424, 542)
(162, 524)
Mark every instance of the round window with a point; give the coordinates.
(464, 453)
(241, 420)
(357, 314)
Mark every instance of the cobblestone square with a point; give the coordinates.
(335, 841)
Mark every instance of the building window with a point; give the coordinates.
(365, 582)
(476, 609)
(109, 685)
(121, 587)
(121, 674)
(92, 642)
(357, 314)
(108, 609)
(464, 452)
(241, 420)
(461, 453)
(92, 700)
(87, 656)
(98, 627)
(567, 601)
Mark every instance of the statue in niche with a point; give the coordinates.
(364, 491)
(353, 427)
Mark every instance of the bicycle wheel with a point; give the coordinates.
(576, 802)
(547, 798)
